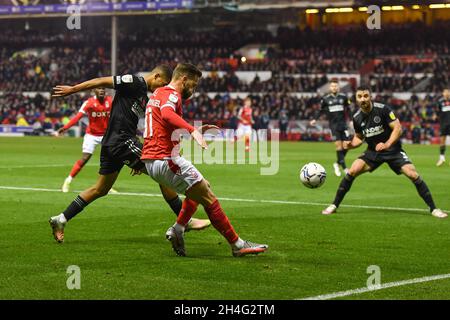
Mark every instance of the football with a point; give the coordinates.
(313, 175)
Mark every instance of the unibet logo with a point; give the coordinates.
(374, 131)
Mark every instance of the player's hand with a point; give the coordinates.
(197, 136)
(312, 122)
(60, 131)
(347, 145)
(207, 127)
(382, 146)
(62, 91)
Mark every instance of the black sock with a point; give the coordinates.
(442, 150)
(341, 158)
(424, 192)
(75, 208)
(345, 185)
(175, 204)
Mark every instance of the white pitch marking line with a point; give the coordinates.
(229, 199)
(379, 287)
(43, 166)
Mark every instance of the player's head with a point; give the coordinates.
(186, 77)
(363, 98)
(100, 93)
(334, 86)
(159, 77)
(248, 102)
(446, 94)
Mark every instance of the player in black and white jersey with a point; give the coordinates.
(443, 106)
(336, 104)
(120, 146)
(377, 124)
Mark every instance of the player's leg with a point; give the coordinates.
(410, 171)
(186, 206)
(89, 144)
(202, 193)
(442, 148)
(182, 176)
(359, 166)
(99, 189)
(340, 158)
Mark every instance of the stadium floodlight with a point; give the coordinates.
(439, 6)
(312, 11)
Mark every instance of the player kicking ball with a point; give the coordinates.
(377, 124)
(164, 164)
(120, 146)
(97, 109)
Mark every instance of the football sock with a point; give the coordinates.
(238, 244)
(187, 211)
(442, 152)
(77, 168)
(75, 208)
(345, 185)
(175, 204)
(424, 192)
(220, 221)
(341, 158)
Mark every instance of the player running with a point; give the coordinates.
(165, 165)
(377, 124)
(120, 146)
(97, 110)
(245, 122)
(444, 117)
(335, 105)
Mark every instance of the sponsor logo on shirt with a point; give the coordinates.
(373, 131)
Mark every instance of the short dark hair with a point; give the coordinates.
(334, 81)
(186, 69)
(363, 88)
(164, 71)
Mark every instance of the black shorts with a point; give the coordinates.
(395, 160)
(340, 133)
(113, 158)
(445, 129)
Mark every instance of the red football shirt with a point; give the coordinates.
(246, 115)
(98, 114)
(160, 141)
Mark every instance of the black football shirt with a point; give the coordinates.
(127, 108)
(374, 126)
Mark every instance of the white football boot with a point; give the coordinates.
(330, 209)
(438, 213)
(337, 171)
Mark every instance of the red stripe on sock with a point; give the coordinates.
(76, 168)
(188, 209)
(220, 221)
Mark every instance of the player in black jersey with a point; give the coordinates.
(120, 146)
(443, 105)
(335, 105)
(377, 124)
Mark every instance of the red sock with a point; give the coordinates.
(220, 221)
(188, 209)
(76, 168)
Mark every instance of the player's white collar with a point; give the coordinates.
(171, 87)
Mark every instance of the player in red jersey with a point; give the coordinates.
(245, 122)
(163, 117)
(97, 109)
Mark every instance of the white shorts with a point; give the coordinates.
(177, 174)
(90, 142)
(244, 130)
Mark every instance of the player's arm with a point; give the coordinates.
(240, 115)
(169, 115)
(71, 123)
(357, 140)
(322, 109)
(62, 90)
(394, 137)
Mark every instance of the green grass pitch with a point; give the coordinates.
(118, 241)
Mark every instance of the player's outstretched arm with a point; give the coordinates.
(62, 90)
(357, 140)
